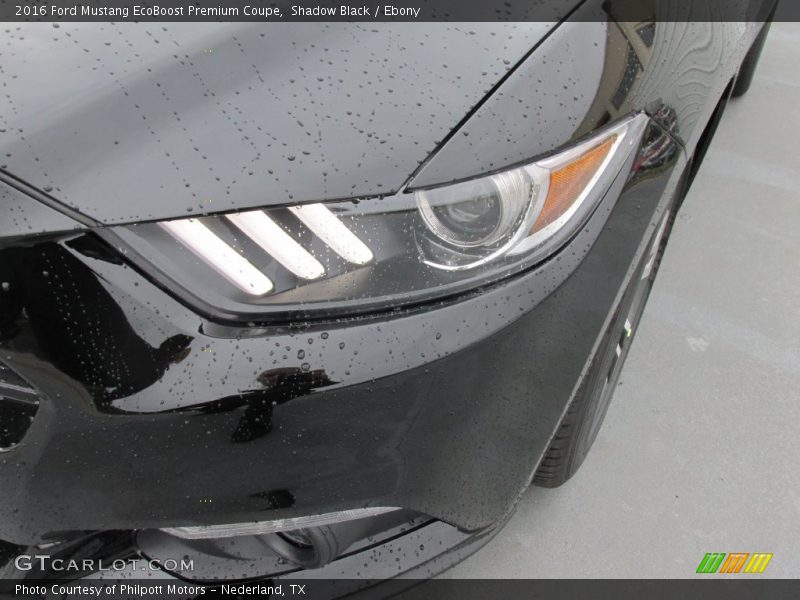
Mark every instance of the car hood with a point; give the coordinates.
(129, 122)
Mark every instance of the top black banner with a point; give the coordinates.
(400, 10)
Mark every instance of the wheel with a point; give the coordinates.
(581, 423)
(748, 68)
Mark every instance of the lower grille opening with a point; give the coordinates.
(244, 557)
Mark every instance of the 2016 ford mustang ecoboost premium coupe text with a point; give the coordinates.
(326, 296)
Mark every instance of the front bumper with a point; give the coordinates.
(152, 416)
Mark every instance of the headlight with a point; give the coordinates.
(471, 223)
(355, 255)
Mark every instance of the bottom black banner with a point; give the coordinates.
(410, 589)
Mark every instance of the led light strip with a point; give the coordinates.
(219, 255)
(333, 232)
(277, 243)
(266, 527)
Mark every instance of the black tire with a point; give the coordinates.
(585, 414)
(748, 68)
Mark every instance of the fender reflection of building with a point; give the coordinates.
(621, 70)
(623, 73)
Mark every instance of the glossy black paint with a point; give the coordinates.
(322, 111)
(154, 416)
(208, 117)
(590, 72)
(144, 395)
(24, 216)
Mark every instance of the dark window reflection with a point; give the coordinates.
(280, 386)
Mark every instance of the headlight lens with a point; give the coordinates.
(468, 223)
(359, 255)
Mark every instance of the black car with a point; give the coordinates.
(324, 299)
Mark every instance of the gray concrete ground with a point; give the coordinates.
(699, 451)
